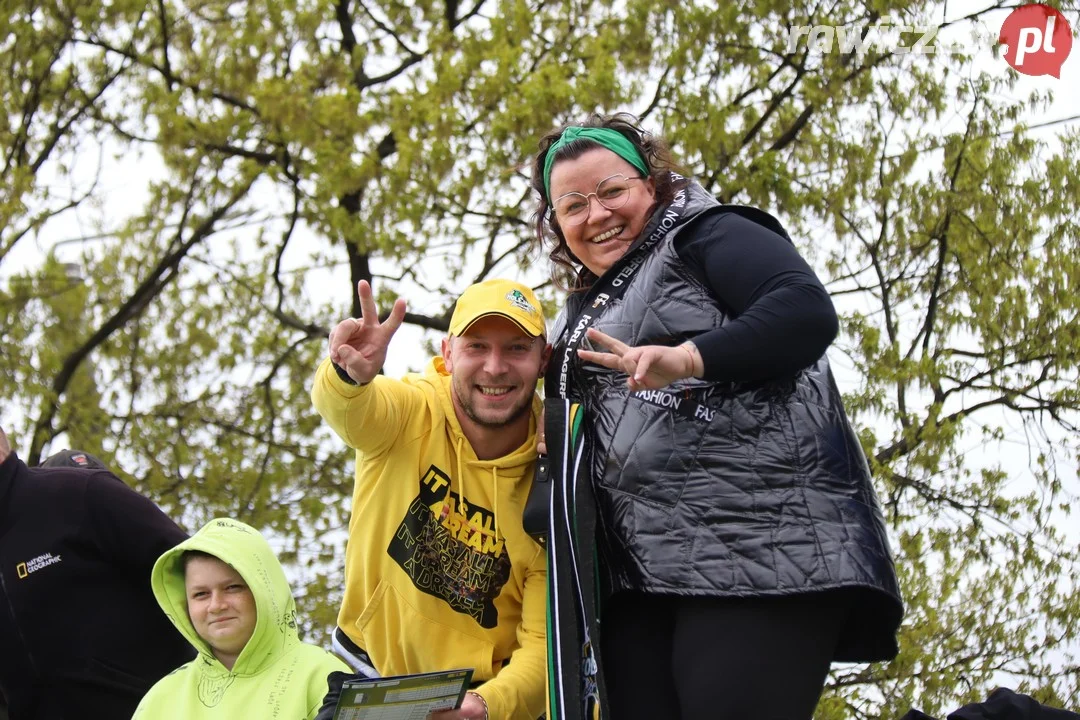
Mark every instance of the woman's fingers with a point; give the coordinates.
(644, 362)
(647, 367)
(608, 360)
(616, 346)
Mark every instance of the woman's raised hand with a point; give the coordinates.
(648, 367)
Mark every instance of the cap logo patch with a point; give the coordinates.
(517, 299)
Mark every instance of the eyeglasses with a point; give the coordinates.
(611, 192)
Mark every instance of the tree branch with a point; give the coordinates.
(151, 286)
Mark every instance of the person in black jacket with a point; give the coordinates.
(741, 545)
(80, 631)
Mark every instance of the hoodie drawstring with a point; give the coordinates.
(461, 491)
(461, 479)
(495, 505)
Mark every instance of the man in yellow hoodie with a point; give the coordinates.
(439, 573)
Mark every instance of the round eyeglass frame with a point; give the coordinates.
(574, 219)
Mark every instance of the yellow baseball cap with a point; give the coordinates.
(504, 298)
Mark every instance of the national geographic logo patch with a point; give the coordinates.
(24, 569)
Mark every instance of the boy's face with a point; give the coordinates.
(220, 605)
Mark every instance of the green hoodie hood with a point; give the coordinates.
(242, 547)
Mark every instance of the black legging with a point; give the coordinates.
(678, 658)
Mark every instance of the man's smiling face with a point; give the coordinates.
(494, 367)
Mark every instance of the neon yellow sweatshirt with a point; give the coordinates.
(275, 675)
(439, 573)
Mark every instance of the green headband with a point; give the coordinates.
(613, 140)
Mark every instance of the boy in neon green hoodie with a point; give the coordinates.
(226, 592)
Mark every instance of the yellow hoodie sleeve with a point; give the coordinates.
(368, 417)
(519, 691)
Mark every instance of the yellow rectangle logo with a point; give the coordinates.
(20, 569)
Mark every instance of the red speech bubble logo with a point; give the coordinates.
(1039, 40)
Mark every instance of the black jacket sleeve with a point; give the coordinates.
(334, 683)
(782, 317)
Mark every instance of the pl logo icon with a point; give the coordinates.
(1039, 40)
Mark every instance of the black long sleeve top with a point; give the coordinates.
(783, 318)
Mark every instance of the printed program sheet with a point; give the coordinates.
(403, 697)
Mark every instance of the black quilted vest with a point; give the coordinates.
(722, 489)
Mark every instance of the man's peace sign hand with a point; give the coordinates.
(358, 346)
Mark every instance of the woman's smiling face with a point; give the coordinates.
(606, 234)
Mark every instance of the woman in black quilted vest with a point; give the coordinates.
(740, 547)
